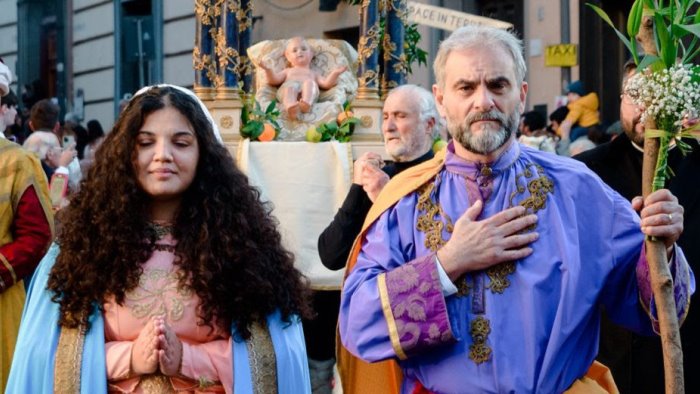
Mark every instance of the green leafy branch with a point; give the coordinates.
(334, 130)
(414, 54)
(254, 118)
(339, 132)
(661, 27)
(672, 23)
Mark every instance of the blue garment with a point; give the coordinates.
(32, 368)
(543, 316)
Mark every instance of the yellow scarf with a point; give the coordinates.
(358, 376)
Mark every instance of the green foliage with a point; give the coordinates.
(338, 132)
(253, 118)
(414, 54)
(631, 46)
(673, 22)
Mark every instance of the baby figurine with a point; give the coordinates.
(298, 83)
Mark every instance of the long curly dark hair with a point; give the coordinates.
(229, 251)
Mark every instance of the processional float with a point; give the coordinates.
(305, 182)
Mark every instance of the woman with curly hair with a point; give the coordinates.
(169, 273)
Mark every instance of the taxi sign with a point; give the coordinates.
(560, 55)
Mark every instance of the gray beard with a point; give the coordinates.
(485, 142)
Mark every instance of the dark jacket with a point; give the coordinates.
(335, 241)
(636, 361)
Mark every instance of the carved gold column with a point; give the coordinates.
(245, 29)
(367, 105)
(395, 66)
(203, 56)
(220, 19)
(368, 50)
(228, 59)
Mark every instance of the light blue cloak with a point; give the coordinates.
(32, 368)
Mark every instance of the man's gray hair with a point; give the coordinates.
(40, 142)
(480, 36)
(426, 104)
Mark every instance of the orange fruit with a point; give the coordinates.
(343, 116)
(268, 133)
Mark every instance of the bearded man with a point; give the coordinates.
(636, 361)
(479, 271)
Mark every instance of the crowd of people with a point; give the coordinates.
(142, 260)
(574, 128)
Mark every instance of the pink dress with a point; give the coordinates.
(207, 364)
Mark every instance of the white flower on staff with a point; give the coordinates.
(668, 95)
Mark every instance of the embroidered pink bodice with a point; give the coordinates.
(206, 355)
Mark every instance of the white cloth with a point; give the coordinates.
(544, 143)
(306, 183)
(214, 127)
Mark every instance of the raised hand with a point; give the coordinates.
(67, 155)
(476, 245)
(373, 181)
(144, 353)
(170, 349)
(367, 158)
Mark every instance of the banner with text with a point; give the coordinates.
(446, 19)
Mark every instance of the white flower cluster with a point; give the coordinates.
(668, 95)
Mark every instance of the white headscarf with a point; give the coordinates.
(5, 79)
(194, 96)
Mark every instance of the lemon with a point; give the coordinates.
(312, 135)
(438, 145)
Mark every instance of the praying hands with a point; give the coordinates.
(156, 348)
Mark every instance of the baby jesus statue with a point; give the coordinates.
(299, 84)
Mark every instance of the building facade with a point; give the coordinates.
(91, 53)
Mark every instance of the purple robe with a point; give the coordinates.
(528, 326)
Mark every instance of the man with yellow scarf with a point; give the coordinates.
(26, 229)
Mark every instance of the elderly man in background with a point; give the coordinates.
(410, 121)
(55, 158)
(43, 121)
(26, 225)
(479, 270)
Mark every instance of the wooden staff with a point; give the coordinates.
(661, 280)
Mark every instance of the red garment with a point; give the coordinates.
(31, 235)
(420, 389)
